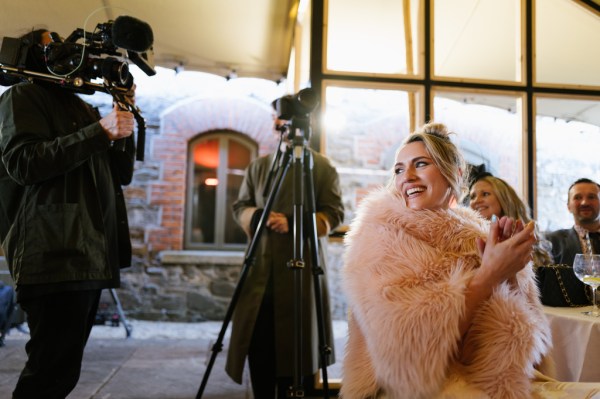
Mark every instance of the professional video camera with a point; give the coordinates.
(297, 105)
(295, 111)
(102, 53)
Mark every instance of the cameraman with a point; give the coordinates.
(263, 322)
(63, 221)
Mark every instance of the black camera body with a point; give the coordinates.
(299, 105)
(98, 57)
(295, 110)
(102, 54)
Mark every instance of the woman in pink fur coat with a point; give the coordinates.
(441, 302)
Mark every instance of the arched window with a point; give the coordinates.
(216, 164)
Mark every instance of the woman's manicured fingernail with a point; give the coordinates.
(494, 218)
(531, 223)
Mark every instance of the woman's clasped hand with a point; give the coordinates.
(508, 248)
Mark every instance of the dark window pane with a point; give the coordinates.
(233, 232)
(239, 157)
(206, 161)
(217, 165)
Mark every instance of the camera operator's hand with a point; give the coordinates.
(278, 222)
(118, 124)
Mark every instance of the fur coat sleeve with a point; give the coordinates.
(405, 274)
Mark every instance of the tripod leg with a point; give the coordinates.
(325, 350)
(297, 264)
(115, 298)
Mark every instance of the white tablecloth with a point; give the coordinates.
(576, 339)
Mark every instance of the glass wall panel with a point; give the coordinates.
(364, 127)
(478, 39)
(567, 147)
(378, 36)
(561, 29)
(488, 130)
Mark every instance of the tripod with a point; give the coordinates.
(301, 158)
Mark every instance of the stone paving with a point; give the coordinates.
(160, 360)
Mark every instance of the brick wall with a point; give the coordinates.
(179, 124)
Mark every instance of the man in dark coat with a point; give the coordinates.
(63, 222)
(584, 204)
(263, 321)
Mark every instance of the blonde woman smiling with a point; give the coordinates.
(441, 302)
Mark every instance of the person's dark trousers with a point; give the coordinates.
(59, 326)
(261, 354)
(262, 359)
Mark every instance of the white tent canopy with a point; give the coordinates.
(254, 38)
(248, 38)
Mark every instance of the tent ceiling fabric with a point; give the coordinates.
(252, 38)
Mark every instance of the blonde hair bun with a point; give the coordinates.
(436, 129)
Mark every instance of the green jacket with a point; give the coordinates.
(60, 222)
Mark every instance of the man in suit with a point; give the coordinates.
(584, 204)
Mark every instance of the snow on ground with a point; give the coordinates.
(143, 329)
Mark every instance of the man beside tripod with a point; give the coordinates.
(263, 322)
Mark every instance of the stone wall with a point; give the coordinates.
(198, 285)
(181, 286)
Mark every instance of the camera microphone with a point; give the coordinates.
(132, 34)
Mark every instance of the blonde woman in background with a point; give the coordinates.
(490, 195)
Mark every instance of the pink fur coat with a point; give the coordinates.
(405, 274)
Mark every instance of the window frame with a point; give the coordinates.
(415, 59)
(415, 92)
(521, 104)
(536, 188)
(528, 87)
(224, 137)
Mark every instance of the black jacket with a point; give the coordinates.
(62, 212)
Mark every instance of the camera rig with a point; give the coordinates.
(82, 59)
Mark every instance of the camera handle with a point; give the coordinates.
(302, 164)
(121, 100)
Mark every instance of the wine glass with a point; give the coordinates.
(587, 269)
